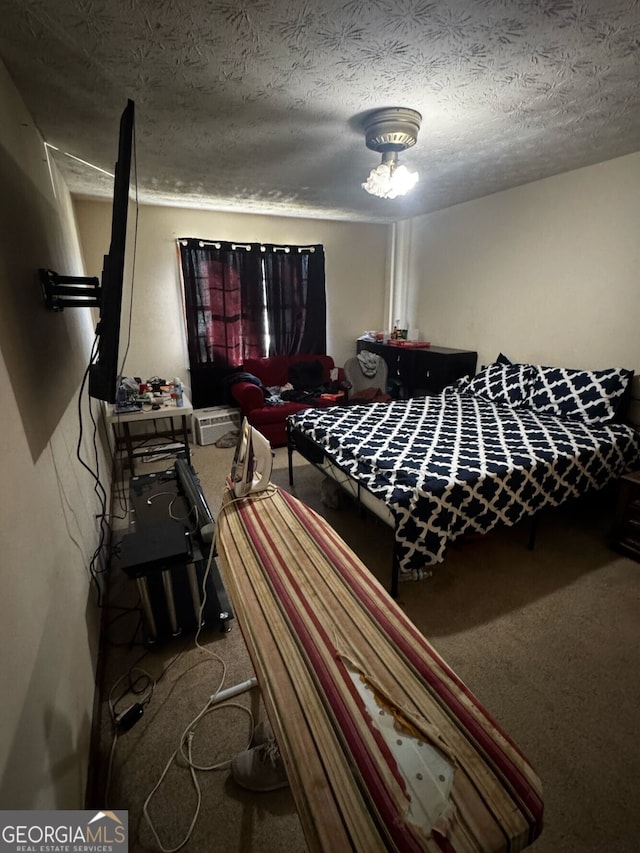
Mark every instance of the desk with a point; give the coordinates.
(123, 437)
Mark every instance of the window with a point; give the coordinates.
(248, 300)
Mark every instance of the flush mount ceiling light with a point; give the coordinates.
(389, 131)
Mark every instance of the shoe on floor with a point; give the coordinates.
(260, 768)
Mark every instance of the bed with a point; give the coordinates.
(489, 450)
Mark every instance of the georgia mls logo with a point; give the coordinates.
(64, 832)
(118, 831)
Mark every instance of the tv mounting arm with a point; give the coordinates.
(69, 291)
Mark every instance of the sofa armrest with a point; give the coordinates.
(248, 395)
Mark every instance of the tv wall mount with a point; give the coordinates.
(69, 291)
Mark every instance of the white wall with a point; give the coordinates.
(48, 530)
(548, 272)
(355, 264)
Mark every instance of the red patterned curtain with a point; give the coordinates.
(224, 307)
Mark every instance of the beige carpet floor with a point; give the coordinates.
(547, 639)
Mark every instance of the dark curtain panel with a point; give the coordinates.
(225, 313)
(296, 303)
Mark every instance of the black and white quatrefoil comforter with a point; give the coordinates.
(447, 465)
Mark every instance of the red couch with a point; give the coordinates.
(274, 371)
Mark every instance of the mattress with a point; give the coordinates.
(449, 464)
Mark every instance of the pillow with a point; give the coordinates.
(590, 395)
(459, 384)
(502, 359)
(507, 384)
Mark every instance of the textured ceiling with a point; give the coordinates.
(257, 105)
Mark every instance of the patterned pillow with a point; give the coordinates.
(459, 384)
(508, 384)
(590, 395)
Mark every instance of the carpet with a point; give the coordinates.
(547, 639)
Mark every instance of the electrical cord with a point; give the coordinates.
(188, 735)
(269, 492)
(175, 496)
(142, 687)
(126, 611)
(185, 742)
(99, 490)
(124, 720)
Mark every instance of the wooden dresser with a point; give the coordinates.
(418, 371)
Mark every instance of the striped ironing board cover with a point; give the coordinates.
(337, 662)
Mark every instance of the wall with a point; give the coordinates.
(547, 272)
(355, 263)
(48, 530)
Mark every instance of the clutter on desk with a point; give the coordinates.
(397, 336)
(127, 396)
(136, 395)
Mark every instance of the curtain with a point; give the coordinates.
(295, 297)
(223, 307)
(248, 300)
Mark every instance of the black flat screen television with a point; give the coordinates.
(103, 372)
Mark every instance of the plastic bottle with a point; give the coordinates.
(121, 397)
(177, 387)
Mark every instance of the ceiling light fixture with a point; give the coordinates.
(389, 131)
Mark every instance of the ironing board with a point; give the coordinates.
(385, 747)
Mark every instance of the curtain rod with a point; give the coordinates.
(288, 248)
(248, 246)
